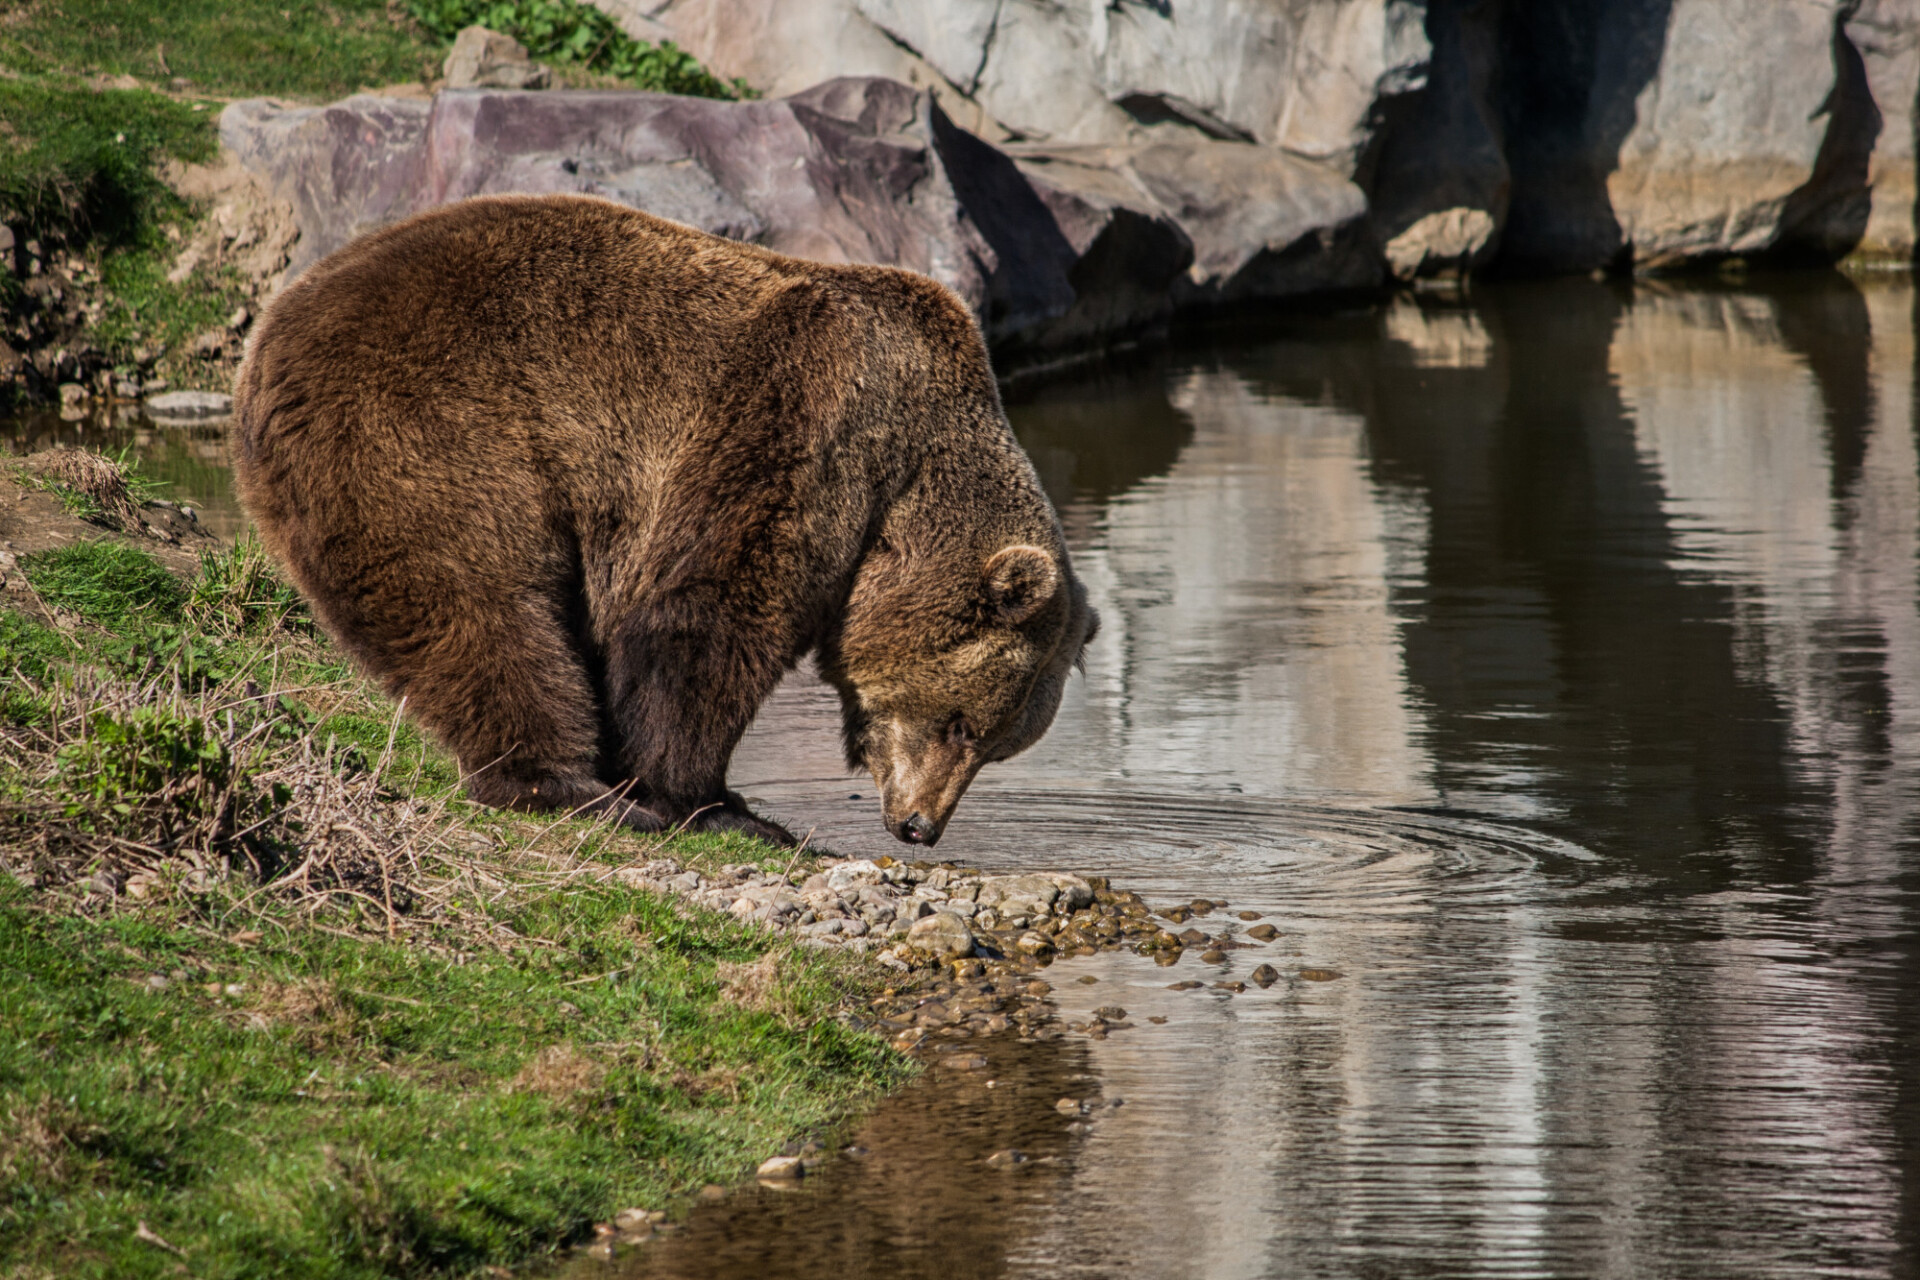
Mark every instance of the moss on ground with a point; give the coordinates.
(234, 1043)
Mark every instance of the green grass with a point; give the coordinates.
(360, 1108)
(307, 1093)
(232, 48)
(107, 583)
(79, 162)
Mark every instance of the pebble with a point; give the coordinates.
(942, 934)
(1005, 1159)
(1184, 986)
(1263, 932)
(1235, 987)
(1265, 976)
(1110, 1013)
(1320, 975)
(1213, 957)
(712, 1193)
(1247, 915)
(1087, 979)
(780, 1168)
(1068, 1106)
(1157, 1020)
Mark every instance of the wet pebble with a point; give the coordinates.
(1184, 986)
(1235, 987)
(1266, 975)
(965, 1061)
(1263, 932)
(1213, 957)
(1319, 975)
(1247, 915)
(1086, 979)
(1068, 1106)
(1110, 1013)
(1007, 1158)
(780, 1168)
(712, 1193)
(1157, 1020)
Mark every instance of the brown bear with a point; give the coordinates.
(579, 485)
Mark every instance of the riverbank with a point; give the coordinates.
(282, 1001)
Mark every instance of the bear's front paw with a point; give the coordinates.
(735, 816)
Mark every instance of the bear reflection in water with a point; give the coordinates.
(580, 485)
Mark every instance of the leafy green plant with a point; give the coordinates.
(108, 583)
(130, 757)
(568, 31)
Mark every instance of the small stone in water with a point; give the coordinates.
(1264, 932)
(1248, 915)
(1266, 975)
(1178, 915)
(965, 1062)
(712, 1193)
(1068, 1106)
(1087, 978)
(1157, 1020)
(1235, 987)
(1110, 1012)
(1319, 975)
(1200, 906)
(779, 1167)
(1213, 957)
(1192, 937)
(1184, 986)
(1002, 1159)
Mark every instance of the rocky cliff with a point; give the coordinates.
(1530, 134)
(1080, 173)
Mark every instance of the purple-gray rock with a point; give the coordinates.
(854, 170)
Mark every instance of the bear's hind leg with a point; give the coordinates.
(505, 689)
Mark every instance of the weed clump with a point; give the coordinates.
(572, 32)
(239, 593)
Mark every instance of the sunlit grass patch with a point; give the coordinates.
(308, 1104)
(107, 583)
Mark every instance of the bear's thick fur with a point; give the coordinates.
(580, 484)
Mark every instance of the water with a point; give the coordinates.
(1546, 665)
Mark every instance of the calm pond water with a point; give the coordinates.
(1547, 665)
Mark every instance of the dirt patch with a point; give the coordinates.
(38, 512)
(245, 228)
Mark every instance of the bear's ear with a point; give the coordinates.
(1020, 579)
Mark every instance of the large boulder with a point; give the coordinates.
(854, 170)
(1307, 75)
(1544, 135)
(1570, 134)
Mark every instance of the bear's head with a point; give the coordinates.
(951, 657)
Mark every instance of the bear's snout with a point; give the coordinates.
(917, 830)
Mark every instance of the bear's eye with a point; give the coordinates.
(960, 731)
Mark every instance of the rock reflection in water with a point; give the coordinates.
(922, 1202)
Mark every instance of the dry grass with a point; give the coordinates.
(754, 984)
(37, 1141)
(560, 1072)
(98, 481)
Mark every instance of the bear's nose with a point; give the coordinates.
(917, 830)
